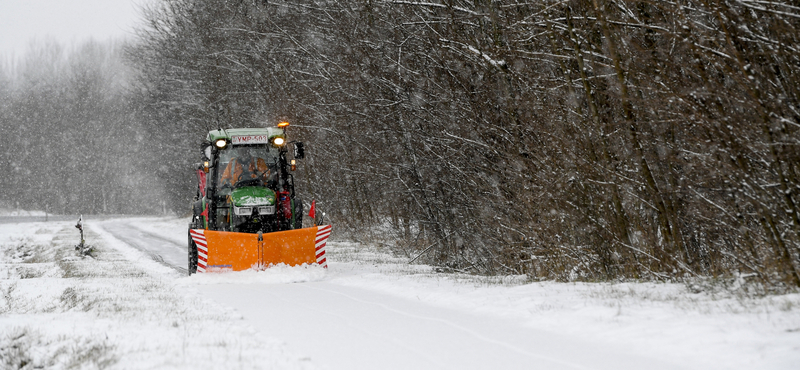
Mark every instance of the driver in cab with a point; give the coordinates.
(244, 167)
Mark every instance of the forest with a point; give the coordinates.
(570, 140)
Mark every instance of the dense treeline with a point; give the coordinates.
(71, 143)
(580, 139)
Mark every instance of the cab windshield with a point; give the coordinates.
(247, 165)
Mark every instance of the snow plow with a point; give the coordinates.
(246, 214)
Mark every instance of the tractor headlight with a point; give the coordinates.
(278, 141)
(221, 143)
(243, 211)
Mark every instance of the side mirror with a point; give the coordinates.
(299, 150)
(207, 150)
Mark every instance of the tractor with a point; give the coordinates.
(246, 214)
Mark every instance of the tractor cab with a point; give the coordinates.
(248, 183)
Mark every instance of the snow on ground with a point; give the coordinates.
(663, 321)
(117, 310)
(124, 310)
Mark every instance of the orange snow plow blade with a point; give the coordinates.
(230, 251)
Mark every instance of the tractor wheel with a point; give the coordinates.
(192, 256)
(297, 212)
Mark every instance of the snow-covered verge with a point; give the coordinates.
(116, 310)
(719, 329)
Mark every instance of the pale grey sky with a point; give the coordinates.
(68, 21)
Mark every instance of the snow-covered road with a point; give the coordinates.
(369, 310)
(344, 327)
(352, 328)
(160, 249)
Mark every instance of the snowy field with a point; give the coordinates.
(130, 307)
